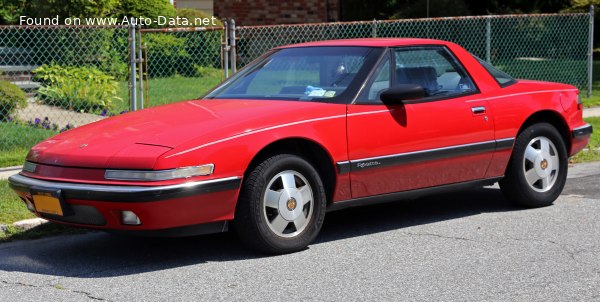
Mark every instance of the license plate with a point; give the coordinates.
(47, 202)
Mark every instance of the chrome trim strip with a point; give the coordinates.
(424, 155)
(520, 93)
(258, 131)
(505, 143)
(127, 193)
(343, 167)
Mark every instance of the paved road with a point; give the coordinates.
(469, 246)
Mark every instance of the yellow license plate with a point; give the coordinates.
(46, 203)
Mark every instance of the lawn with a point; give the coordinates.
(594, 100)
(16, 140)
(11, 207)
(593, 152)
(174, 89)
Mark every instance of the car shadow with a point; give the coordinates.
(98, 254)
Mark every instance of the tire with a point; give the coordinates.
(281, 206)
(537, 170)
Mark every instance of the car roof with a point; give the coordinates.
(372, 42)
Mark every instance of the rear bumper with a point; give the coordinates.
(158, 207)
(583, 131)
(580, 138)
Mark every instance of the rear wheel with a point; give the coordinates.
(282, 205)
(537, 171)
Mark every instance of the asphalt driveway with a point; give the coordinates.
(469, 246)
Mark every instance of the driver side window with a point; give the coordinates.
(434, 69)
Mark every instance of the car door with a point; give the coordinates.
(445, 137)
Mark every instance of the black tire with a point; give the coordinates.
(255, 222)
(515, 185)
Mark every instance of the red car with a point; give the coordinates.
(306, 129)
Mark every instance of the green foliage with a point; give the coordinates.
(11, 97)
(191, 14)
(71, 8)
(207, 72)
(146, 8)
(165, 51)
(434, 9)
(10, 10)
(77, 88)
(580, 6)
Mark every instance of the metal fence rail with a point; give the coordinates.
(76, 75)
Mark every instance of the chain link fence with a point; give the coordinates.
(551, 47)
(180, 64)
(56, 78)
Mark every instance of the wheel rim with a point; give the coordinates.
(541, 164)
(288, 203)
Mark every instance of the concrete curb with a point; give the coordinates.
(8, 171)
(592, 111)
(25, 225)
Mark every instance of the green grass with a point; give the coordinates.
(11, 207)
(16, 140)
(44, 230)
(174, 89)
(592, 154)
(594, 100)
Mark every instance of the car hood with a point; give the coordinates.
(135, 140)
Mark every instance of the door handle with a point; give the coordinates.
(478, 110)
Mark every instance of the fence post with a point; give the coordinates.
(590, 52)
(488, 39)
(374, 30)
(132, 70)
(225, 48)
(140, 63)
(233, 46)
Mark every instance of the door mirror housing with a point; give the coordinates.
(402, 94)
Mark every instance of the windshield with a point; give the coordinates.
(302, 74)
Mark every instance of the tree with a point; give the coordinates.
(146, 8)
(10, 10)
(70, 8)
(581, 5)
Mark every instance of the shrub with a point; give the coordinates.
(191, 14)
(165, 53)
(11, 97)
(207, 72)
(76, 88)
(146, 8)
(64, 9)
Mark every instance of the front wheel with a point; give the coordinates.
(537, 171)
(282, 205)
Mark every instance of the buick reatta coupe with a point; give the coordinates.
(306, 129)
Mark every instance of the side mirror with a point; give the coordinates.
(401, 93)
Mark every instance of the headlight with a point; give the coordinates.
(160, 174)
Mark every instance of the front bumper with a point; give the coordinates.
(158, 207)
